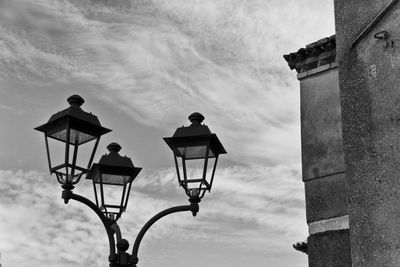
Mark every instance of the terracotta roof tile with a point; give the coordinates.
(320, 49)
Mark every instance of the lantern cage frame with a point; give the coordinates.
(113, 170)
(74, 127)
(191, 143)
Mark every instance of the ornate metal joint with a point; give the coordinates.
(134, 260)
(67, 192)
(113, 259)
(194, 206)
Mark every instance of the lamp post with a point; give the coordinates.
(73, 128)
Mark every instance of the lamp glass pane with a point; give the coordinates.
(179, 169)
(83, 154)
(113, 195)
(209, 170)
(195, 184)
(194, 173)
(194, 152)
(98, 196)
(69, 169)
(114, 179)
(76, 137)
(198, 175)
(194, 168)
(56, 152)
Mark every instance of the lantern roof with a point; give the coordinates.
(115, 164)
(82, 119)
(114, 158)
(194, 133)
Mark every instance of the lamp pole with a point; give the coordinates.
(75, 128)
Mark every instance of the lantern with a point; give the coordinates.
(112, 177)
(71, 130)
(195, 144)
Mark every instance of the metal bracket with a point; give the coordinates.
(373, 22)
(383, 35)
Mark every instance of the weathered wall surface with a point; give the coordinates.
(322, 146)
(369, 76)
(336, 249)
(326, 198)
(321, 126)
(323, 168)
(322, 154)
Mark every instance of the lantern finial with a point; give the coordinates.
(114, 147)
(75, 100)
(196, 117)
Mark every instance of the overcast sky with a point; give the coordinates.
(142, 68)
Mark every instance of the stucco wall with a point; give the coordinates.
(326, 198)
(321, 128)
(369, 76)
(323, 167)
(322, 147)
(336, 249)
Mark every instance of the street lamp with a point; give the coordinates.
(195, 143)
(74, 127)
(113, 171)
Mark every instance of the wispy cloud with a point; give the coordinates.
(248, 209)
(158, 60)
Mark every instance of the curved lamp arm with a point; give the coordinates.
(67, 195)
(193, 207)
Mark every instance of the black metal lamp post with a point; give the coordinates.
(74, 127)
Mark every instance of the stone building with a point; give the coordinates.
(368, 52)
(350, 120)
(323, 165)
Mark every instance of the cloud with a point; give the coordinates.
(247, 209)
(159, 61)
(37, 225)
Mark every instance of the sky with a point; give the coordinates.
(142, 68)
